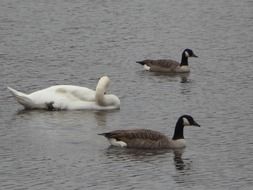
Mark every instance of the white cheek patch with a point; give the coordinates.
(186, 54)
(114, 142)
(147, 68)
(186, 121)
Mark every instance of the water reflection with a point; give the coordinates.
(147, 155)
(100, 117)
(184, 77)
(26, 114)
(180, 163)
(183, 168)
(40, 114)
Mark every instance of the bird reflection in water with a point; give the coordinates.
(148, 155)
(184, 77)
(178, 161)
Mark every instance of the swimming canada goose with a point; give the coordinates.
(168, 65)
(68, 97)
(149, 139)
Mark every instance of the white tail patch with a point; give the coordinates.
(114, 142)
(147, 68)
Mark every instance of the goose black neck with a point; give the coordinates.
(179, 130)
(184, 60)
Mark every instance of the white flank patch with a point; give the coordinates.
(147, 68)
(114, 142)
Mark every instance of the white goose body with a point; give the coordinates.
(149, 139)
(68, 97)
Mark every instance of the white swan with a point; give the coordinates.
(68, 97)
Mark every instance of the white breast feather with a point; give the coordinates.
(179, 143)
(114, 142)
(183, 69)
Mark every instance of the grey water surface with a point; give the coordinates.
(44, 43)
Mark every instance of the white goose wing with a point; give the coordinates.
(76, 92)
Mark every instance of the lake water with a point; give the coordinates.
(44, 43)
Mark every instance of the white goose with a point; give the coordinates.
(68, 97)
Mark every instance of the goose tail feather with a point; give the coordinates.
(22, 98)
(102, 134)
(140, 62)
(106, 135)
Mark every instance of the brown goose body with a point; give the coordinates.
(149, 139)
(168, 65)
(161, 65)
(140, 138)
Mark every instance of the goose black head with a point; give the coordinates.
(184, 120)
(189, 121)
(189, 53)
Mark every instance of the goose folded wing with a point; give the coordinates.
(163, 63)
(135, 134)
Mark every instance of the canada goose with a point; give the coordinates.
(68, 97)
(149, 139)
(168, 65)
